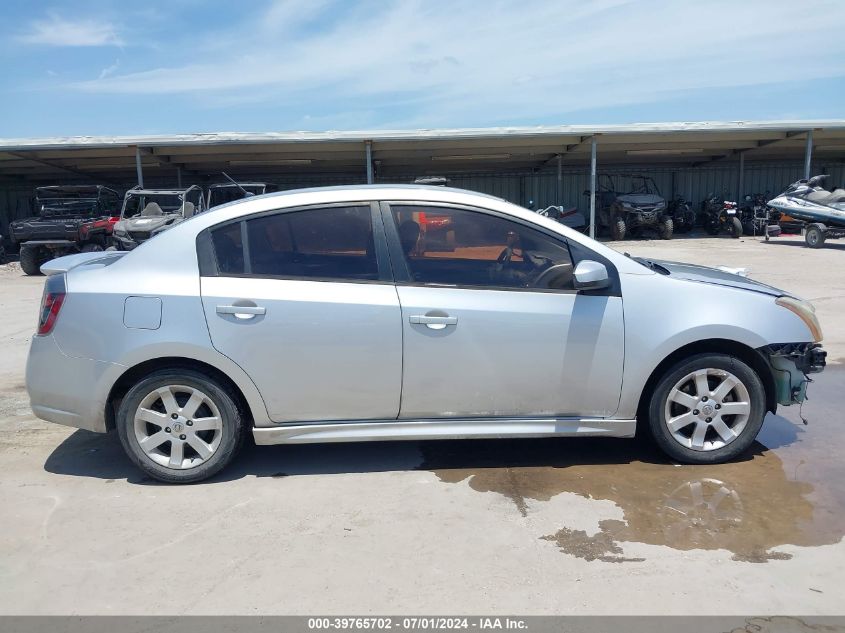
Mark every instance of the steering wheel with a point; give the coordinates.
(551, 276)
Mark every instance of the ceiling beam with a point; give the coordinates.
(568, 148)
(757, 145)
(167, 161)
(61, 168)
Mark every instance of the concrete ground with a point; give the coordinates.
(575, 526)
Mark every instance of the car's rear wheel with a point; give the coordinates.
(707, 409)
(180, 426)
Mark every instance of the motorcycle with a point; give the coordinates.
(683, 217)
(756, 216)
(720, 216)
(822, 210)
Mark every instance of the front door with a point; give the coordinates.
(301, 300)
(492, 324)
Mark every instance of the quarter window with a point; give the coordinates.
(331, 243)
(455, 247)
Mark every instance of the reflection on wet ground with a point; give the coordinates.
(787, 491)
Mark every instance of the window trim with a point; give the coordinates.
(209, 266)
(577, 252)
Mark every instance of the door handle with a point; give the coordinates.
(433, 322)
(242, 312)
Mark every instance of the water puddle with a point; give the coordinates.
(791, 495)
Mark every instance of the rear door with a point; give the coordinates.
(303, 301)
(492, 324)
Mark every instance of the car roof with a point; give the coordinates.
(220, 185)
(394, 188)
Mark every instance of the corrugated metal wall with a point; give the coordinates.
(694, 183)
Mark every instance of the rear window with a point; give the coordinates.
(334, 243)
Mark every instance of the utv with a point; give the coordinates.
(148, 212)
(629, 203)
(230, 191)
(71, 218)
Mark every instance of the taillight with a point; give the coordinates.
(51, 303)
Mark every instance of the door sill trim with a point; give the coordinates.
(442, 429)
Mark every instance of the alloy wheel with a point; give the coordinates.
(178, 427)
(707, 409)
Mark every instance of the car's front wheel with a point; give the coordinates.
(180, 426)
(707, 409)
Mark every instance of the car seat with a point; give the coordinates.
(409, 234)
(152, 209)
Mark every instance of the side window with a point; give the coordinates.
(334, 243)
(456, 247)
(228, 249)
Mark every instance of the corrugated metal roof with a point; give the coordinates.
(215, 138)
(273, 156)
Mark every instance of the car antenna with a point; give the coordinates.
(247, 194)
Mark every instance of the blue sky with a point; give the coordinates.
(116, 67)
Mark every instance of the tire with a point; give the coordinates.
(814, 236)
(711, 447)
(617, 229)
(31, 260)
(736, 227)
(221, 440)
(92, 247)
(665, 228)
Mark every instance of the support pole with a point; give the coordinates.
(179, 177)
(559, 180)
(808, 154)
(138, 168)
(369, 151)
(593, 187)
(741, 177)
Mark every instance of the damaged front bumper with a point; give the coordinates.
(791, 363)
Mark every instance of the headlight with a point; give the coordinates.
(806, 312)
(120, 232)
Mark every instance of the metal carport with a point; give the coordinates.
(547, 164)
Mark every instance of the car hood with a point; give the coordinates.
(641, 198)
(704, 274)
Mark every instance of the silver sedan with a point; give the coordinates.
(404, 312)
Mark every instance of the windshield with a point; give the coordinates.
(134, 204)
(66, 206)
(642, 184)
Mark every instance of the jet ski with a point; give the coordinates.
(823, 211)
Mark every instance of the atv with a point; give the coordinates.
(629, 204)
(71, 219)
(720, 216)
(148, 212)
(683, 217)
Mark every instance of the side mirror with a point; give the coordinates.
(590, 275)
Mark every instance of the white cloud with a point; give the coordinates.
(465, 61)
(109, 70)
(59, 31)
